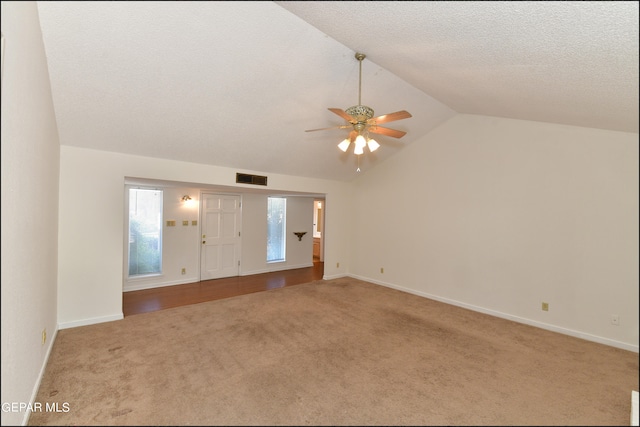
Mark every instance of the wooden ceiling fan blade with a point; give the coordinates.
(342, 114)
(386, 131)
(333, 127)
(391, 117)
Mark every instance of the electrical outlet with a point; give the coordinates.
(184, 271)
(44, 336)
(545, 306)
(337, 265)
(615, 320)
(382, 270)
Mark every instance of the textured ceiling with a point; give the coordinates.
(236, 84)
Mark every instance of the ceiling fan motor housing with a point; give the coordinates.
(361, 113)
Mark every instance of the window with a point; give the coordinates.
(145, 231)
(276, 228)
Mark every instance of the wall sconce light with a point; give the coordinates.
(186, 198)
(300, 234)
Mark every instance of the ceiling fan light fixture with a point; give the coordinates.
(373, 145)
(360, 143)
(344, 145)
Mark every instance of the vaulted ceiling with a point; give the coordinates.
(236, 84)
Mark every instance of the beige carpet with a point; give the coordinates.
(338, 352)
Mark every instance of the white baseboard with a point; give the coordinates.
(276, 267)
(553, 328)
(36, 387)
(141, 286)
(334, 276)
(90, 321)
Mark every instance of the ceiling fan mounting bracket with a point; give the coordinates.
(360, 56)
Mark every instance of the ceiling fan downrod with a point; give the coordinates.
(360, 112)
(360, 57)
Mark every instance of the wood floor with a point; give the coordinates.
(147, 300)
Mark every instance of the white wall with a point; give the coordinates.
(299, 218)
(92, 202)
(254, 255)
(501, 215)
(30, 162)
(254, 234)
(181, 244)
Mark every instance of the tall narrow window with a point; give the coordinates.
(276, 228)
(145, 231)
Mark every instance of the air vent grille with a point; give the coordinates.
(243, 178)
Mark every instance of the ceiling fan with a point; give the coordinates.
(360, 118)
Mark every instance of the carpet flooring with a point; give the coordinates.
(335, 352)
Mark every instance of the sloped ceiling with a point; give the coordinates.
(236, 84)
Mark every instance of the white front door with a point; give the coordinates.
(220, 249)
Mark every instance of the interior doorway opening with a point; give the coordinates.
(318, 230)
